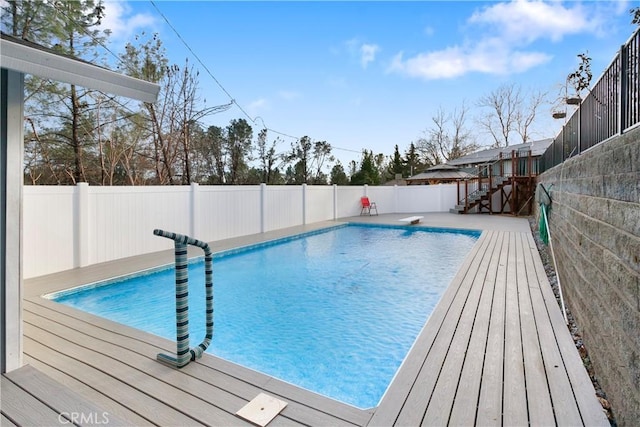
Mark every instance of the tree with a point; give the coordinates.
(267, 156)
(580, 79)
(213, 146)
(171, 121)
(448, 138)
(411, 160)
(396, 165)
(338, 175)
(368, 173)
(635, 14)
(59, 113)
(238, 144)
(509, 112)
(310, 158)
(148, 61)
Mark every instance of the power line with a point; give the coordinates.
(253, 120)
(232, 99)
(200, 61)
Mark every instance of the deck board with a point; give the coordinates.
(225, 376)
(449, 378)
(6, 422)
(434, 354)
(107, 403)
(468, 387)
(514, 392)
(393, 401)
(24, 409)
(495, 351)
(489, 410)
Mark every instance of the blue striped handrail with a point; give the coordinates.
(184, 354)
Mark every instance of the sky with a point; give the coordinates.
(372, 75)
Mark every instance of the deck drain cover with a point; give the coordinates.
(262, 409)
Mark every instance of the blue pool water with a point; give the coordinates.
(335, 312)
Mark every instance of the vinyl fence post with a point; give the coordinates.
(81, 246)
(194, 208)
(335, 202)
(263, 206)
(304, 204)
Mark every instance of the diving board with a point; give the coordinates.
(411, 219)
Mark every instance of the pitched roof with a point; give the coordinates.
(441, 172)
(537, 149)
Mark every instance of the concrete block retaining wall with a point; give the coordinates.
(595, 227)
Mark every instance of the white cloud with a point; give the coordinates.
(489, 57)
(122, 24)
(503, 35)
(368, 53)
(527, 21)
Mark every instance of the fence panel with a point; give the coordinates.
(48, 233)
(319, 203)
(427, 198)
(283, 206)
(349, 200)
(122, 219)
(228, 211)
(384, 196)
(68, 227)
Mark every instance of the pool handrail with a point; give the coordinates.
(183, 353)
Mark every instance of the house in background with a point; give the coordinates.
(503, 179)
(17, 58)
(502, 158)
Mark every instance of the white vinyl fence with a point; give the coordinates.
(69, 227)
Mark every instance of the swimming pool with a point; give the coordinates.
(335, 312)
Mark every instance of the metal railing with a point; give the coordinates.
(183, 353)
(610, 108)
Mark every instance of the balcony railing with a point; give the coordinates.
(611, 107)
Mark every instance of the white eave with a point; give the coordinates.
(21, 57)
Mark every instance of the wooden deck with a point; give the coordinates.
(494, 352)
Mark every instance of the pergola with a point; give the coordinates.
(439, 174)
(17, 58)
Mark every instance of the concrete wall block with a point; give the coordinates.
(574, 280)
(625, 401)
(590, 185)
(627, 247)
(621, 157)
(620, 276)
(622, 186)
(595, 227)
(635, 155)
(623, 215)
(582, 243)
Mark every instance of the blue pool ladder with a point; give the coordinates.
(184, 354)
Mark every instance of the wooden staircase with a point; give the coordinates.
(480, 200)
(505, 185)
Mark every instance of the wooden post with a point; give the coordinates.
(490, 194)
(466, 195)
